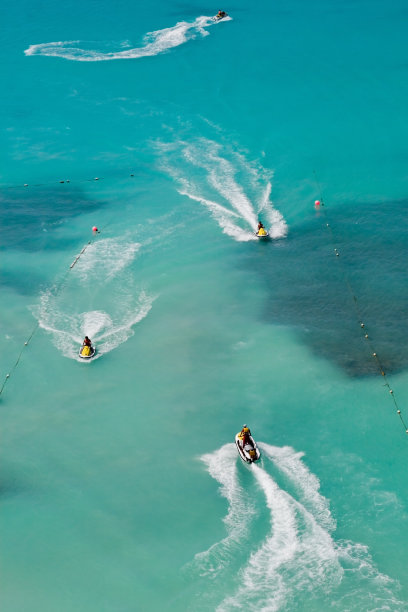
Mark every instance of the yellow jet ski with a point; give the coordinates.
(86, 352)
(262, 233)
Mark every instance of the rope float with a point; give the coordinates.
(319, 204)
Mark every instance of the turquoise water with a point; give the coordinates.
(121, 488)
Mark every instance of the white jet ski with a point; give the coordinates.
(87, 352)
(250, 452)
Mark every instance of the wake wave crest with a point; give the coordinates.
(120, 307)
(106, 258)
(107, 333)
(222, 467)
(155, 43)
(297, 553)
(308, 485)
(234, 190)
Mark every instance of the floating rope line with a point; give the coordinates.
(26, 343)
(66, 181)
(363, 328)
(56, 289)
(78, 256)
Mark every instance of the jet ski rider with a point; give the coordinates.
(245, 433)
(87, 342)
(260, 225)
(221, 14)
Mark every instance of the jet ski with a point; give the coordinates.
(262, 233)
(250, 452)
(86, 352)
(220, 16)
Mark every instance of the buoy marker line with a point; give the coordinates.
(56, 289)
(67, 181)
(79, 255)
(321, 206)
(26, 343)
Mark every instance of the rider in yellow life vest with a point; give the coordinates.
(245, 433)
(261, 229)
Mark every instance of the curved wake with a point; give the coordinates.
(154, 43)
(222, 467)
(297, 552)
(106, 258)
(234, 190)
(107, 333)
(118, 310)
(307, 484)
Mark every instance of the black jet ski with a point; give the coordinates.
(250, 452)
(220, 16)
(86, 352)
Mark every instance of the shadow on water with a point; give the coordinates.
(29, 218)
(28, 215)
(15, 482)
(309, 290)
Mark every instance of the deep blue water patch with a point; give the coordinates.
(28, 216)
(325, 297)
(23, 284)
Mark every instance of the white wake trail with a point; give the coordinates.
(154, 43)
(261, 585)
(221, 176)
(222, 466)
(101, 275)
(234, 190)
(299, 554)
(288, 461)
(106, 331)
(226, 218)
(105, 259)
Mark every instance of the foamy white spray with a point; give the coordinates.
(234, 190)
(106, 331)
(262, 585)
(298, 553)
(105, 261)
(223, 468)
(106, 258)
(154, 43)
(307, 484)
